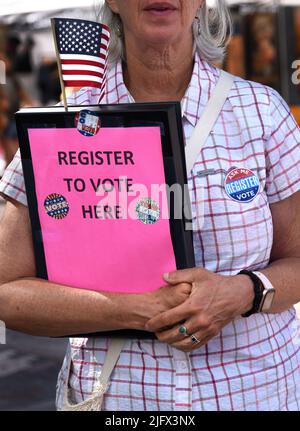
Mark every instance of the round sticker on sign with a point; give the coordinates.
(87, 123)
(242, 185)
(148, 211)
(56, 206)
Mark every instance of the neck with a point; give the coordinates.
(156, 74)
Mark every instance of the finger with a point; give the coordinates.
(174, 335)
(168, 318)
(187, 345)
(204, 333)
(171, 335)
(181, 287)
(183, 276)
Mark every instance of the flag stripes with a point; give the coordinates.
(83, 52)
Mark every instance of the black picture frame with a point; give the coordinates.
(166, 115)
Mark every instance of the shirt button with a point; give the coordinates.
(182, 365)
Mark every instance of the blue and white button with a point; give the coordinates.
(242, 185)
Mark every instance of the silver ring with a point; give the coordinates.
(183, 331)
(195, 339)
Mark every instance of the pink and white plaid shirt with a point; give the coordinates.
(254, 363)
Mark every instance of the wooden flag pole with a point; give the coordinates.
(62, 85)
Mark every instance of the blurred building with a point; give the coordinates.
(265, 47)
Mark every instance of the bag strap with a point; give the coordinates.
(208, 119)
(94, 403)
(111, 358)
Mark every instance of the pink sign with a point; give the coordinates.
(101, 231)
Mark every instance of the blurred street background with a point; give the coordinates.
(265, 48)
(29, 367)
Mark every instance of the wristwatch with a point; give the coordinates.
(264, 293)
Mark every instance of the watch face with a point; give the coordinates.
(268, 300)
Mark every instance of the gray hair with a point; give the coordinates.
(212, 30)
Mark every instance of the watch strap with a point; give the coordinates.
(258, 292)
(265, 281)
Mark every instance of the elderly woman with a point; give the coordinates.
(219, 346)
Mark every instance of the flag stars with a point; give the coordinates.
(79, 37)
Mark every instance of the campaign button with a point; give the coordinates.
(87, 123)
(242, 185)
(148, 211)
(56, 206)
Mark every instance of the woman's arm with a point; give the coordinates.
(38, 307)
(217, 300)
(284, 269)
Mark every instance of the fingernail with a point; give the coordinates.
(166, 275)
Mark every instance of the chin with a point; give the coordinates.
(161, 36)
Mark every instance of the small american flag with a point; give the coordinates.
(83, 51)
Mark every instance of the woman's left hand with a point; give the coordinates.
(215, 300)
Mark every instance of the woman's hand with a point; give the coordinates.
(214, 301)
(143, 307)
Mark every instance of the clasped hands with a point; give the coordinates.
(209, 302)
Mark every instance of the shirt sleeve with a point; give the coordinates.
(282, 151)
(12, 183)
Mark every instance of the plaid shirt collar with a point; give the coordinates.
(203, 81)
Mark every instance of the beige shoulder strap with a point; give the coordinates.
(112, 356)
(208, 119)
(94, 403)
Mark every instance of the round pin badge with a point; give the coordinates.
(148, 211)
(242, 185)
(56, 206)
(87, 123)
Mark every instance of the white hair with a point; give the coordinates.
(215, 27)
